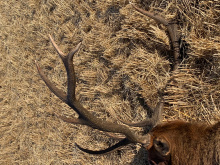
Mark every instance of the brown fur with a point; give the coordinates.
(190, 143)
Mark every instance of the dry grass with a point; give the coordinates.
(123, 60)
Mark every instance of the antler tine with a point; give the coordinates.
(61, 54)
(152, 15)
(156, 117)
(85, 117)
(172, 30)
(59, 93)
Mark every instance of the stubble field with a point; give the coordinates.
(121, 65)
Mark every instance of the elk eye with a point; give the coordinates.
(162, 146)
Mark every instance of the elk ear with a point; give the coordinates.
(162, 146)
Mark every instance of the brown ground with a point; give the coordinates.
(122, 62)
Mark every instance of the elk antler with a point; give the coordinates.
(85, 117)
(154, 120)
(172, 30)
(174, 38)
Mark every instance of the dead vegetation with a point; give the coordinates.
(121, 65)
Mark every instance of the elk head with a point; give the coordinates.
(179, 142)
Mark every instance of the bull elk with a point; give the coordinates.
(174, 142)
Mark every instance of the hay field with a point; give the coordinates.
(121, 65)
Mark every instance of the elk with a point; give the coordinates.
(173, 142)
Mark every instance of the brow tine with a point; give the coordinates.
(118, 145)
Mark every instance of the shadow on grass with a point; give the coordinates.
(141, 158)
